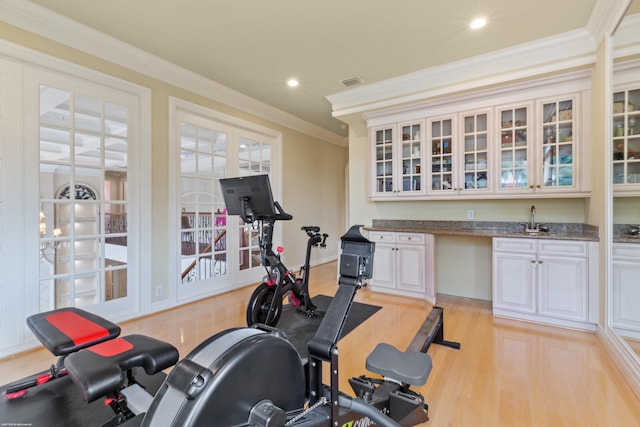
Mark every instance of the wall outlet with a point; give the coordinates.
(159, 290)
(471, 214)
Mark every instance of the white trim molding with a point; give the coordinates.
(563, 52)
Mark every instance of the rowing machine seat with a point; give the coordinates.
(407, 367)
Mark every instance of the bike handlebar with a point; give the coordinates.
(281, 215)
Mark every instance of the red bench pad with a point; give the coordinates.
(101, 369)
(67, 330)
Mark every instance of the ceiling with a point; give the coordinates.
(255, 46)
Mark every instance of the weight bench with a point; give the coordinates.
(103, 370)
(62, 332)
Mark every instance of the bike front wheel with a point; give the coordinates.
(260, 305)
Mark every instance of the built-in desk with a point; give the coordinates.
(548, 277)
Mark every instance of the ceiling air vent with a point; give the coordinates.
(351, 81)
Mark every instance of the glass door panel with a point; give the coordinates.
(514, 145)
(384, 160)
(203, 160)
(557, 144)
(411, 149)
(476, 154)
(83, 199)
(626, 138)
(441, 140)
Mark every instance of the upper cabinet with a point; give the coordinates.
(626, 140)
(396, 155)
(481, 146)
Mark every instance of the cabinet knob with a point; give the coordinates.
(533, 261)
(539, 262)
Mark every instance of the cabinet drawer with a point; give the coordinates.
(514, 245)
(382, 236)
(563, 247)
(410, 238)
(627, 250)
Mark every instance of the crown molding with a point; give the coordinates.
(549, 55)
(627, 34)
(605, 17)
(43, 22)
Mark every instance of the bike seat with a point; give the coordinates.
(407, 367)
(67, 330)
(101, 369)
(311, 228)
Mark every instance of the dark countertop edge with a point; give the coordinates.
(621, 234)
(557, 231)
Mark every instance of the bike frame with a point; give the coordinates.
(277, 273)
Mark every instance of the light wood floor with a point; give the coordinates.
(507, 373)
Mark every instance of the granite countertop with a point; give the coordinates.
(621, 234)
(557, 231)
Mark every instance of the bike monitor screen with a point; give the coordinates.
(248, 196)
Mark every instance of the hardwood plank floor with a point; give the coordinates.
(507, 373)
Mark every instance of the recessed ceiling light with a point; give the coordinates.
(292, 83)
(478, 23)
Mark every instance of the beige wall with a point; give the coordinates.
(597, 205)
(313, 172)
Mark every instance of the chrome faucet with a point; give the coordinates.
(532, 226)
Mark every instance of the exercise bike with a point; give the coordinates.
(266, 302)
(245, 197)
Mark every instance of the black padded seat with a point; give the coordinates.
(101, 369)
(407, 367)
(67, 330)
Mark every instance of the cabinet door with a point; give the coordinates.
(382, 161)
(626, 140)
(513, 282)
(384, 266)
(475, 163)
(626, 294)
(410, 261)
(441, 143)
(563, 284)
(558, 145)
(514, 154)
(410, 159)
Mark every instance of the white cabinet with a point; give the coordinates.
(626, 289)
(396, 158)
(626, 141)
(403, 264)
(544, 280)
(528, 143)
(459, 156)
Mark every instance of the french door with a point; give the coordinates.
(82, 143)
(215, 252)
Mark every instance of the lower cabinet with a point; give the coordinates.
(545, 280)
(626, 289)
(404, 264)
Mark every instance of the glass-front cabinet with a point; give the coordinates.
(476, 159)
(514, 146)
(411, 151)
(557, 145)
(441, 158)
(396, 160)
(522, 143)
(626, 140)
